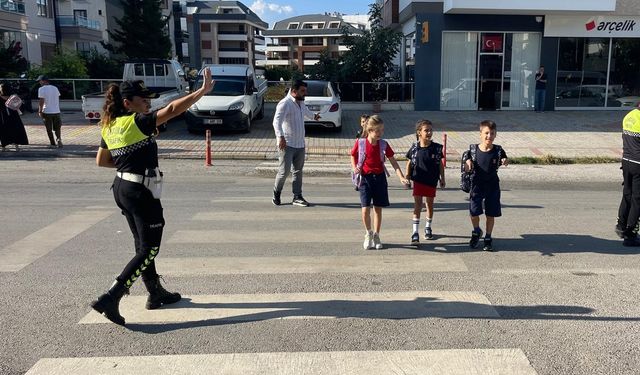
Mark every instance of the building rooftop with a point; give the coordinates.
(216, 9)
(311, 24)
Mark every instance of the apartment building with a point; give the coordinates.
(77, 25)
(30, 23)
(471, 55)
(223, 32)
(298, 41)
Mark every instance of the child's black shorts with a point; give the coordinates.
(374, 188)
(489, 195)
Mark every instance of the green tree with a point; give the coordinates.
(142, 31)
(101, 66)
(13, 64)
(274, 73)
(370, 55)
(327, 68)
(63, 64)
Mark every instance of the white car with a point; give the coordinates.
(324, 99)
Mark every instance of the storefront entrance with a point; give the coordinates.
(489, 71)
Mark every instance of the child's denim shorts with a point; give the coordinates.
(490, 196)
(374, 188)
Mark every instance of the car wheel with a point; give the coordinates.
(261, 113)
(247, 127)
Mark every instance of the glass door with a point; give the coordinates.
(458, 87)
(490, 82)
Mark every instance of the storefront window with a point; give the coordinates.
(582, 73)
(624, 78)
(521, 60)
(459, 74)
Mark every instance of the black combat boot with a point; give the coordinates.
(107, 304)
(630, 236)
(158, 295)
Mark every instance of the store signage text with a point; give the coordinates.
(627, 25)
(589, 27)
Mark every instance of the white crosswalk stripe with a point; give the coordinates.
(418, 362)
(21, 253)
(371, 264)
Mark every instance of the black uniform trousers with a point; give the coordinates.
(144, 215)
(629, 210)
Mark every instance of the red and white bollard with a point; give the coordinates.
(444, 150)
(207, 157)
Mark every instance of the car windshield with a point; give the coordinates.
(318, 89)
(223, 87)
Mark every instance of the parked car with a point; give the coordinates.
(323, 98)
(236, 100)
(588, 96)
(628, 101)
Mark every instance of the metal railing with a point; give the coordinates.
(354, 92)
(12, 6)
(357, 92)
(79, 21)
(70, 89)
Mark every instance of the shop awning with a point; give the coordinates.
(527, 7)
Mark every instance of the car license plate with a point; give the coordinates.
(313, 107)
(213, 121)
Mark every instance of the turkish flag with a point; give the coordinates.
(591, 25)
(492, 43)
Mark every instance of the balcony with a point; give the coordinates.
(232, 37)
(278, 62)
(278, 48)
(12, 6)
(71, 21)
(80, 29)
(236, 54)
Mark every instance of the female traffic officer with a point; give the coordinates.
(128, 144)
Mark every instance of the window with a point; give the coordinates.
(43, 10)
(80, 16)
(334, 25)
(12, 6)
(293, 25)
(205, 44)
(313, 25)
(83, 48)
(205, 27)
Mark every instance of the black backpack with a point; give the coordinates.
(467, 177)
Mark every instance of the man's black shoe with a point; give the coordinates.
(300, 201)
(619, 230)
(475, 238)
(276, 198)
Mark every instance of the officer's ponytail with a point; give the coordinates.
(113, 105)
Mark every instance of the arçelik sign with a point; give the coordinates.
(589, 26)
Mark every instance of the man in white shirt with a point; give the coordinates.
(288, 123)
(49, 110)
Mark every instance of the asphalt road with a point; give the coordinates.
(293, 287)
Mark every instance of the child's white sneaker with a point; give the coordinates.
(368, 241)
(376, 241)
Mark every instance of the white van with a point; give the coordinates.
(236, 100)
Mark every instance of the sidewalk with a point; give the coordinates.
(561, 133)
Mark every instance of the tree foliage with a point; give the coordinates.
(101, 66)
(142, 31)
(63, 64)
(370, 55)
(13, 63)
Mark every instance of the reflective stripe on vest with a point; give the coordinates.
(123, 132)
(631, 123)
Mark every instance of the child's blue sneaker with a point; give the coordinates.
(428, 234)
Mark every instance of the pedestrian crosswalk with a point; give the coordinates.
(228, 221)
(460, 361)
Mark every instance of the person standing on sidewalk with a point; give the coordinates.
(541, 89)
(49, 110)
(128, 144)
(629, 210)
(288, 123)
